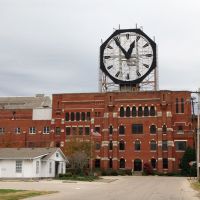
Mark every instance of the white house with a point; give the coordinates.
(31, 162)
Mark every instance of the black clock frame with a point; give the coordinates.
(136, 81)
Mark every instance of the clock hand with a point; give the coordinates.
(119, 45)
(132, 45)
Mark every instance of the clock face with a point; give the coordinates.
(127, 56)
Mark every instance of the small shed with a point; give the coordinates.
(31, 162)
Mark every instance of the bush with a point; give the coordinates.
(121, 172)
(147, 169)
(128, 172)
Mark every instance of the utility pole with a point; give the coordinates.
(198, 126)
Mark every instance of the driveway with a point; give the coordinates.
(113, 188)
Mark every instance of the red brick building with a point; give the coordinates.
(135, 127)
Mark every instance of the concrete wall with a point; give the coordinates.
(42, 114)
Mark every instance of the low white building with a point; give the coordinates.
(31, 162)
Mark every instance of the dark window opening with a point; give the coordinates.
(152, 111)
(164, 129)
(146, 111)
(68, 129)
(80, 130)
(121, 145)
(88, 115)
(153, 129)
(58, 130)
(97, 163)
(83, 116)
(121, 130)
(180, 145)
(164, 145)
(137, 128)
(97, 129)
(97, 146)
(122, 163)
(110, 145)
(137, 165)
(153, 163)
(134, 111)
(137, 145)
(177, 110)
(57, 144)
(111, 130)
(140, 111)
(153, 145)
(67, 116)
(77, 116)
(74, 131)
(128, 112)
(72, 116)
(121, 112)
(87, 130)
(182, 105)
(165, 163)
(110, 163)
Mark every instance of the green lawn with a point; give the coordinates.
(9, 194)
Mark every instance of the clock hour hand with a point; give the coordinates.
(119, 45)
(132, 45)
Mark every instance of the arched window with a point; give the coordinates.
(182, 105)
(134, 111)
(122, 163)
(97, 163)
(121, 112)
(137, 145)
(83, 116)
(152, 111)
(72, 116)
(128, 112)
(153, 129)
(140, 111)
(146, 111)
(110, 145)
(153, 163)
(177, 111)
(153, 145)
(66, 116)
(121, 130)
(121, 145)
(77, 116)
(164, 129)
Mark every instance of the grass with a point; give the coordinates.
(9, 194)
(196, 185)
(79, 178)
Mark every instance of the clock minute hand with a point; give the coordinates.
(119, 45)
(132, 45)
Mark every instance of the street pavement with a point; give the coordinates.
(112, 188)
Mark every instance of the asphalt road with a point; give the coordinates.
(116, 188)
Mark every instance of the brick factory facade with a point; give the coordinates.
(128, 128)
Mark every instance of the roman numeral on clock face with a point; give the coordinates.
(106, 57)
(148, 55)
(117, 74)
(146, 45)
(109, 67)
(137, 39)
(138, 73)
(127, 36)
(147, 66)
(109, 47)
(127, 77)
(116, 39)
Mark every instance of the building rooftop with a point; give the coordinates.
(25, 153)
(39, 101)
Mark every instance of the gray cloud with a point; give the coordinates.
(52, 46)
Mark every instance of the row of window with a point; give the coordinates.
(137, 165)
(134, 111)
(77, 116)
(179, 145)
(32, 130)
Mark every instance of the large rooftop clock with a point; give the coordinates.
(128, 56)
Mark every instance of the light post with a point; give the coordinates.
(198, 126)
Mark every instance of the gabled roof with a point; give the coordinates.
(26, 153)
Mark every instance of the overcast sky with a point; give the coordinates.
(52, 46)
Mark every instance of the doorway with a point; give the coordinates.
(137, 165)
